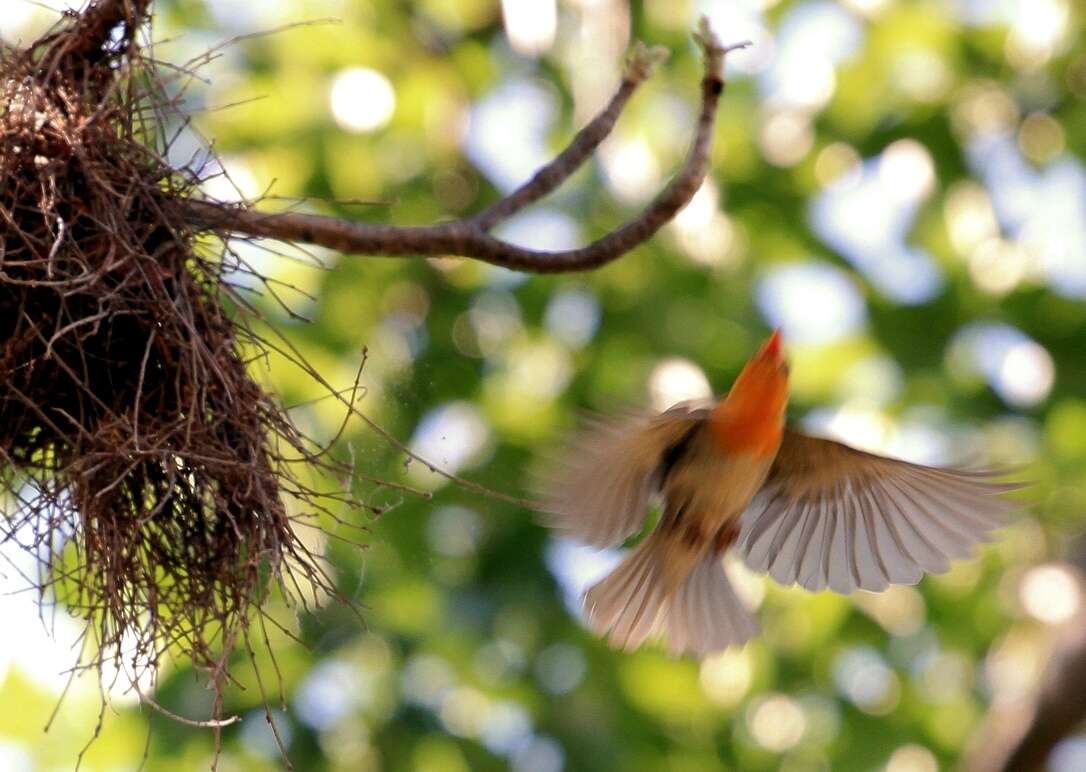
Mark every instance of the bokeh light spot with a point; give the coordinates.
(776, 722)
(530, 25)
(451, 435)
(573, 316)
(362, 100)
(1069, 755)
(1041, 138)
(677, 380)
(811, 302)
(726, 677)
(912, 758)
(866, 680)
(1051, 593)
(560, 668)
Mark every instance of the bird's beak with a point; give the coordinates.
(773, 350)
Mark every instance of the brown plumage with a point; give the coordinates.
(805, 510)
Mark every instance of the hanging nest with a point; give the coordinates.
(144, 467)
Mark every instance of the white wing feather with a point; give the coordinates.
(834, 517)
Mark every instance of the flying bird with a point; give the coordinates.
(731, 475)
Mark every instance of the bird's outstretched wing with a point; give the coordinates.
(833, 516)
(596, 488)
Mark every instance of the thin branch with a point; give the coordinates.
(471, 237)
(643, 62)
(211, 723)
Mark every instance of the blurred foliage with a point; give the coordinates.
(467, 656)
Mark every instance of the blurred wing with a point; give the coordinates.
(597, 489)
(833, 516)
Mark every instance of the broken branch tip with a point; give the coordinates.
(712, 47)
(644, 60)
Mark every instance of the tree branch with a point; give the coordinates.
(471, 237)
(642, 64)
(1020, 737)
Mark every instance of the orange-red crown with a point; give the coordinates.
(751, 417)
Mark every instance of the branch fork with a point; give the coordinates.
(471, 237)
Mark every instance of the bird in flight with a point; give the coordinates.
(731, 475)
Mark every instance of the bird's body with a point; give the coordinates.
(705, 487)
(805, 510)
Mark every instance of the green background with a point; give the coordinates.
(968, 347)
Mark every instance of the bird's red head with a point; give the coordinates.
(751, 417)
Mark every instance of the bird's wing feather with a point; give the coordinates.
(597, 488)
(833, 516)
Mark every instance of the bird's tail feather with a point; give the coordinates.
(703, 615)
(626, 603)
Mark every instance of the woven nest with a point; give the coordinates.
(143, 466)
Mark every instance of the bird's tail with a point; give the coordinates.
(701, 616)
